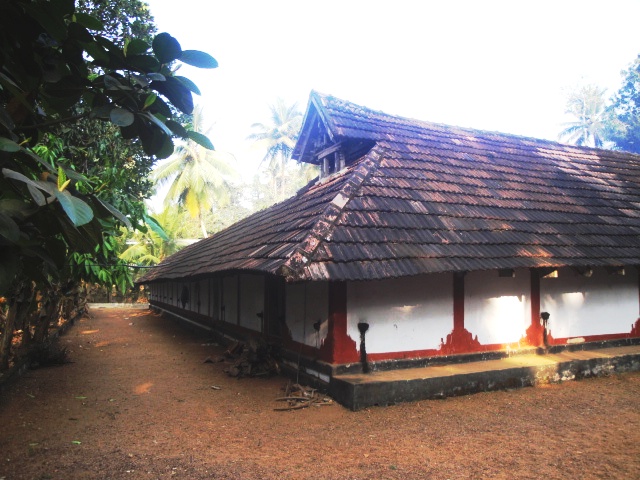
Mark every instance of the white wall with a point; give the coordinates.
(497, 309)
(251, 301)
(230, 299)
(596, 305)
(403, 314)
(307, 303)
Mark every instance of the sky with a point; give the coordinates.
(491, 65)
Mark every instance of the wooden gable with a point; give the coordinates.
(321, 144)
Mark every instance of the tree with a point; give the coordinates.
(152, 246)
(121, 19)
(624, 127)
(57, 69)
(278, 138)
(199, 179)
(587, 105)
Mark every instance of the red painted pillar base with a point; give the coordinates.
(534, 336)
(338, 347)
(460, 340)
(635, 329)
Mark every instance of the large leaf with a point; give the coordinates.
(198, 59)
(112, 82)
(114, 211)
(159, 106)
(96, 51)
(52, 22)
(88, 21)
(5, 119)
(189, 84)
(79, 32)
(41, 161)
(156, 121)
(37, 196)
(33, 186)
(136, 47)
(176, 92)
(201, 139)
(16, 208)
(166, 149)
(143, 63)
(166, 48)
(152, 138)
(9, 228)
(121, 117)
(85, 238)
(148, 101)
(73, 175)
(7, 145)
(77, 210)
(156, 227)
(9, 267)
(177, 129)
(67, 87)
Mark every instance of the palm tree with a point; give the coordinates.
(278, 138)
(587, 105)
(199, 179)
(154, 245)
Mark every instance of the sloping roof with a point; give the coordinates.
(434, 198)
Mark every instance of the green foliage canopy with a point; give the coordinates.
(58, 69)
(624, 127)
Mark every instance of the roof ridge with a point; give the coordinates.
(328, 101)
(293, 268)
(317, 99)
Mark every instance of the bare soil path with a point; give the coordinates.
(137, 403)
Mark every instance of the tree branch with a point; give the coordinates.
(74, 118)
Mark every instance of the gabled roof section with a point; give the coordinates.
(433, 198)
(295, 268)
(281, 239)
(324, 131)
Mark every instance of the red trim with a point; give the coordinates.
(595, 338)
(458, 301)
(534, 332)
(460, 340)
(638, 272)
(338, 347)
(635, 329)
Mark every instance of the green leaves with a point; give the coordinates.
(7, 145)
(155, 226)
(198, 59)
(176, 93)
(68, 84)
(121, 117)
(201, 139)
(77, 210)
(135, 47)
(151, 98)
(88, 21)
(166, 48)
(189, 84)
(9, 228)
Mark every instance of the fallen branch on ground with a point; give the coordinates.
(298, 396)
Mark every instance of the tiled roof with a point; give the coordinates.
(435, 198)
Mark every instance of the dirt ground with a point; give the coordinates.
(137, 403)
